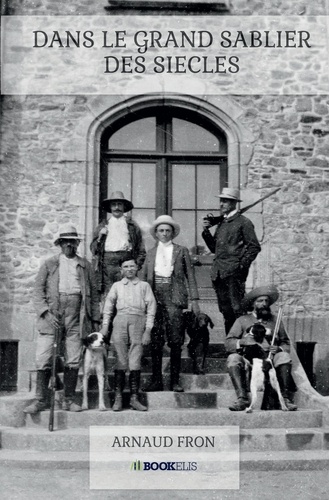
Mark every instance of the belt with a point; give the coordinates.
(69, 294)
(159, 280)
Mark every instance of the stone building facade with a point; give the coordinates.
(52, 173)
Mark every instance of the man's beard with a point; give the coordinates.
(264, 313)
(69, 252)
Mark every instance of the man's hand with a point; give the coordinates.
(195, 307)
(51, 319)
(274, 349)
(146, 339)
(104, 330)
(206, 223)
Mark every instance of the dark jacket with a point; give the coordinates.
(46, 295)
(234, 244)
(239, 330)
(183, 271)
(97, 248)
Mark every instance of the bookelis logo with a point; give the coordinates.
(138, 465)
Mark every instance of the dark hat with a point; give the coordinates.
(270, 291)
(117, 196)
(67, 232)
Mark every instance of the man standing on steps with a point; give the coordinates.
(167, 269)
(259, 301)
(235, 246)
(65, 298)
(135, 306)
(116, 239)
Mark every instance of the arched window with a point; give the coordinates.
(167, 161)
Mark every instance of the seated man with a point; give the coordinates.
(135, 304)
(258, 301)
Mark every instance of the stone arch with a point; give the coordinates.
(222, 111)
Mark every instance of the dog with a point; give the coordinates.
(262, 369)
(95, 361)
(196, 327)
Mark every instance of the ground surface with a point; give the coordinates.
(26, 484)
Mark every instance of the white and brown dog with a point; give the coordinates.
(94, 362)
(262, 369)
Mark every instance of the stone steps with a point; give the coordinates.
(251, 440)
(180, 416)
(252, 461)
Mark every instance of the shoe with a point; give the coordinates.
(69, 405)
(154, 387)
(117, 406)
(177, 388)
(290, 405)
(135, 404)
(35, 407)
(239, 405)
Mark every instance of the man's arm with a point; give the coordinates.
(251, 243)
(209, 239)
(109, 306)
(96, 244)
(232, 342)
(150, 306)
(40, 300)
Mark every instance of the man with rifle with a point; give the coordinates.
(66, 303)
(235, 246)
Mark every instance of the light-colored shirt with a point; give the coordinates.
(163, 259)
(68, 275)
(117, 238)
(130, 297)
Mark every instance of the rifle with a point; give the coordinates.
(276, 329)
(53, 380)
(216, 220)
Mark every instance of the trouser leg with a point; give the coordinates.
(238, 377)
(119, 384)
(70, 383)
(175, 365)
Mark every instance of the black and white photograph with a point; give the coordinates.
(164, 220)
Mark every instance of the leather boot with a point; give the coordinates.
(283, 373)
(239, 381)
(119, 384)
(134, 382)
(70, 383)
(156, 383)
(41, 393)
(175, 363)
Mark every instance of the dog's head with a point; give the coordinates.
(94, 340)
(257, 331)
(204, 320)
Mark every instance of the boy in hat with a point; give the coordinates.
(235, 246)
(65, 298)
(135, 307)
(116, 239)
(258, 301)
(168, 269)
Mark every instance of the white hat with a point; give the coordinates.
(67, 232)
(230, 194)
(165, 219)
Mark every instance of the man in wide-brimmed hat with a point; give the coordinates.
(65, 298)
(258, 302)
(235, 246)
(115, 240)
(168, 270)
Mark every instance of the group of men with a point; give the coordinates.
(149, 310)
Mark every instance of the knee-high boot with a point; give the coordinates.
(134, 382)
(70, 383)
(239, 381)
(283, 373)
(119, 384)
(41, 393)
